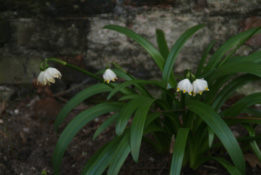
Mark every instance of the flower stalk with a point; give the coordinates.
(74, 67)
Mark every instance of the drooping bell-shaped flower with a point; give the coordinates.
(53, 72)
(109, 75)
(185, 86)
(48, 76)
(41, 78)
(199, 85)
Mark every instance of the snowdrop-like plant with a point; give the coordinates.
(48, 76)
(185, 86)
(109, 75)
(199, 85)
(200, 124)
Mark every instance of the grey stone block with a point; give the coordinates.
(19, 70)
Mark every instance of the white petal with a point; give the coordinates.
(54, 72)
(48, 77)
(109, 75)
(185, 86)
(40, 78)
(199, 85)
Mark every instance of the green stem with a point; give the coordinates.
(143, 89)
(237, 47)
(77, 68)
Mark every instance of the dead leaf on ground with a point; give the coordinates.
(46, 109)
(252, 160)
(42, 89)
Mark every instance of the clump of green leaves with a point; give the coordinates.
(199, 125)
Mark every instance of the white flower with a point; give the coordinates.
(199, 85)
(185, 86)
(109, 75)
(48, 76)
(40, 78)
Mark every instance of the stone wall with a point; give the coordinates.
(73, 30)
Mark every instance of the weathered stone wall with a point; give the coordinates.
(73, 30)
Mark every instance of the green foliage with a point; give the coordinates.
(179, 151)
(168, 68)
(220, 128)
(199, 124)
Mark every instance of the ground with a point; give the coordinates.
(28, 139)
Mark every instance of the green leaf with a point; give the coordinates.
(221, 129)
(127, 111)
(94, 157)
(105, 124)
(127, 83)
(175, 51)
(253, 111)
(253, 143)
(102, 160)
(211, 136)
(243, 104)
(154, 128)
(151, 117)
(203, 58)
(178, 151)
(242, 120)
(137, 126)
(230, 88)
(126, 76)
(254, 57)
(215, 87)
(159, 60)
(230, 168)
(129, 97)
(235, 40)
(247, 138)
(77, 99)
(121, 153)
(162, 43)
(75, 125)
(155, 54)
(236, 67)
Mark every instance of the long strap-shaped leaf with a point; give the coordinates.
(162, 43)
(178, 151)
(127, 111)
(75, 125)
(230, 88)
(155, 54)
(237, 67)
(253, 144)
(215, 88)
(159, 60)
(254, 57)
(130, 82)
(105, 124)
(96, 156)
(138, 126)
(242, 104)
(230, 168)
(77, 99)
(127, 76)
(102, 158)
(235, 40)
(204, 57)
(221, 129)
(175, 51)
(121, 153)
